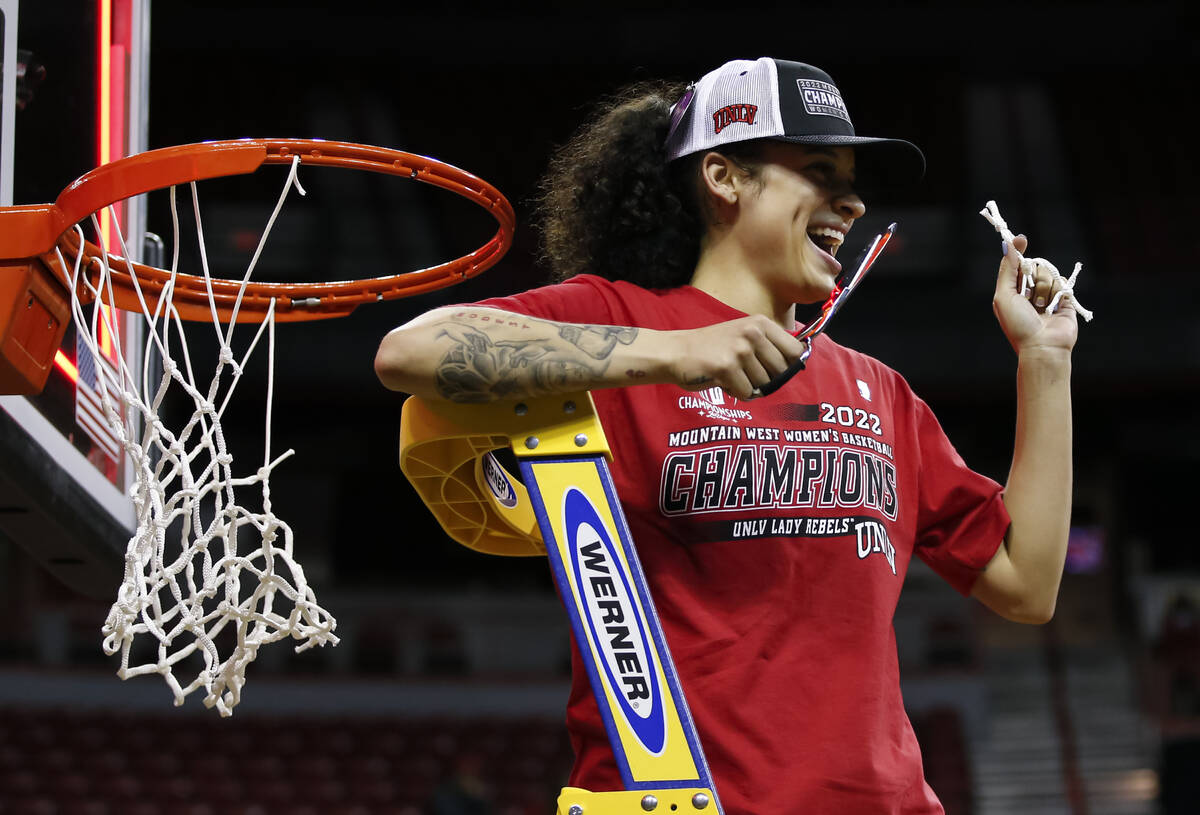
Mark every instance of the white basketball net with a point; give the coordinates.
(1030, 266)
(188, 578)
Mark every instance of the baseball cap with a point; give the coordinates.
(786, 101)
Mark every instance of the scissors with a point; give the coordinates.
(846, 283)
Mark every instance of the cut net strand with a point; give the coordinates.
(991, 213)
(187, 580)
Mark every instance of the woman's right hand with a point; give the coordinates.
(476, 354)
(739, 356)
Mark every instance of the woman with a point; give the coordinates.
(775, 532)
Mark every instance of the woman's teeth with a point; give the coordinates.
(828, 239)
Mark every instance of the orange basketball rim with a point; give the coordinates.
(34, 239)
(35, 230)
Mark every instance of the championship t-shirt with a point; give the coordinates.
(775, 535)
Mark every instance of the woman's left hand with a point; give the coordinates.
(1023, 318)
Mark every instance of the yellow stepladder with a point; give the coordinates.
(565, 507)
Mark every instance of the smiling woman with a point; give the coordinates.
(791, 218)
(686, 223)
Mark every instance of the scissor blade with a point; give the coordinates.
(866, 259)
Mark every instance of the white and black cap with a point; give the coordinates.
(786, 101)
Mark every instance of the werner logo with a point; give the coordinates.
(621, 642)
(497, 481)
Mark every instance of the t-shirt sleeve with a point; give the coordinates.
(581, 299)
(961, 517)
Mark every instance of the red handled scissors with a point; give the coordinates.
(847, 282)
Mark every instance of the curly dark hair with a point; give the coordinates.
(610, 204)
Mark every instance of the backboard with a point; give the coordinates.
(74, 96)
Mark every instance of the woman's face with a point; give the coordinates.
(792, 227)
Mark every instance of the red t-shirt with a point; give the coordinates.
(775, 536)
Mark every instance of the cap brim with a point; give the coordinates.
(879, 162)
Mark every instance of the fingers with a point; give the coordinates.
(1009, 278)
(1046, 283)
(758, 351)
(779, 380)
(739, 356)
(1035, 279)
(775, 352)
(756, 373)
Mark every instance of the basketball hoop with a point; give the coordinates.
(33, 231)
(192, 587)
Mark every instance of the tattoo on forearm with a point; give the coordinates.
(478, 368)
(597, 341)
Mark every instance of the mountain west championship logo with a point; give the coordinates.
(751, 477)
(714, 403)
(731, 114)
(619, 639)
(823, 99)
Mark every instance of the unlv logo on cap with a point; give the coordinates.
(730, 114)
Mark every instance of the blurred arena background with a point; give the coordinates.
(449, 684)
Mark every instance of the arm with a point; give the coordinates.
(472, 354)
(1022, 579)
